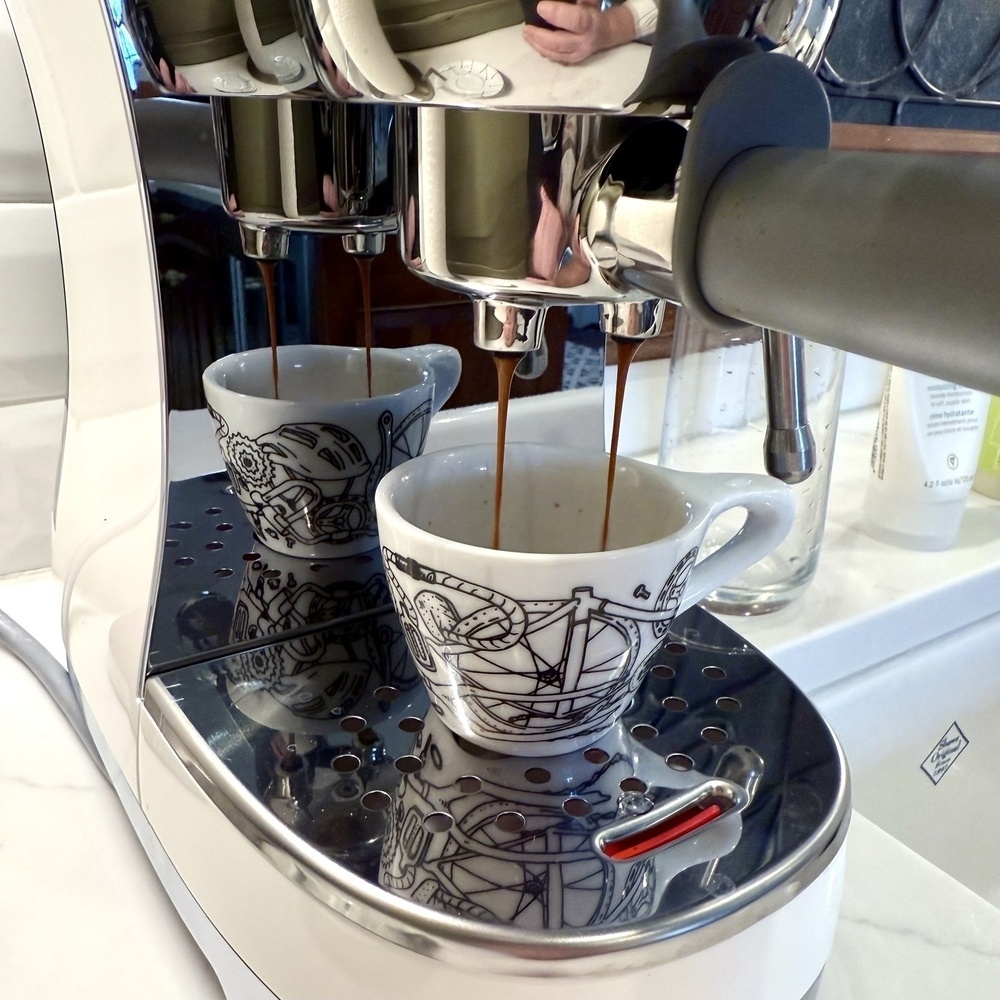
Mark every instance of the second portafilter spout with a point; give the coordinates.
(497, 205)
(633, 320)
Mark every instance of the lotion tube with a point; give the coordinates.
(987, 479)
(923, 460)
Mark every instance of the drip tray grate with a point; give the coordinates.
(719, 773)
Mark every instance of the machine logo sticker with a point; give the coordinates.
(945, 754)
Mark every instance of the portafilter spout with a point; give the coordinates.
(263, 242)
(510, 328)
(505, 327)
(502, 207)
(633, 320)
(306, 165)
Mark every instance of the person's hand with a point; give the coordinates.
(578, 30)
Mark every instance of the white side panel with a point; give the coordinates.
(108, 510)
(32, 325)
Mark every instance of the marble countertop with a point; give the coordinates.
(84, 916)
(82, 913)
(869, 600)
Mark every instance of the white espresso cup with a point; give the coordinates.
(305, 465)
(537, 647)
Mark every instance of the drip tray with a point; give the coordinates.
(719, 784)
(220, 590)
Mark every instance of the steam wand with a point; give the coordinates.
(789, 446)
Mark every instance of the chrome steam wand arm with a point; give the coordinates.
(891, 255)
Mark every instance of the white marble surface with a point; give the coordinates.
(82, 914)
(907, 931)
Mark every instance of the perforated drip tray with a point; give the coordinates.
(720, 778)
(220, 589)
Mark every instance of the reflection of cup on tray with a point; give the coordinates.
(280, 592)
(308, 682)
(523, 840)
(538, 647)
(305, 465)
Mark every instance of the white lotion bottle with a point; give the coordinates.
(987, 479)
(923, 460)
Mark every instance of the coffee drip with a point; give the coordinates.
(505, 366)
(627, 348)
(365, 271)
(267, 273)
(267, 268)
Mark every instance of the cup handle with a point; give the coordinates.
(446, 364)
(770, 509)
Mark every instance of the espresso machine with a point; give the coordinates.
(259, 715)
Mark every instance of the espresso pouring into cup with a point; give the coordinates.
(538, 647)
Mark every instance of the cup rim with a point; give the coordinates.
(210, 376)
(386, 509)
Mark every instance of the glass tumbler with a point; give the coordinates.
(715, 420)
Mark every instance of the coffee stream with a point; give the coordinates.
(267, 274)
(505, 365)
(365, 270)
(626, 352)
(267, 269)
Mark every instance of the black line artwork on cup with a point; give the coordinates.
(323, 675)
(508, 852)
(527, 667)
(279, 593)
(314, 483)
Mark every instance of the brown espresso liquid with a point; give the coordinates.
(365, 270)
(505, 365)
(626, 352)
(267, 274)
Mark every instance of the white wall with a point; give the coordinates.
(33, 354)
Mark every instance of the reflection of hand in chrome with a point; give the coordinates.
(579, 30)
(575, 268)
(410, 230)
(550, 239)
(173, 81)
(551, 264)
(333, 208)
(341, 85)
